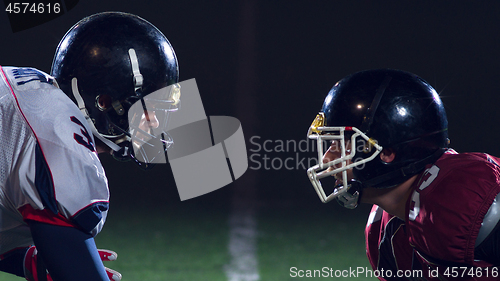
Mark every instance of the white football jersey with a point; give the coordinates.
(49, 169)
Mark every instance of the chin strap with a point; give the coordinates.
(370, 113)
(126, 153)
(350, 198)
(138, 79)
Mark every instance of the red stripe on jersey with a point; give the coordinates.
(44, 216)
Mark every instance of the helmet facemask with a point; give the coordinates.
(350, 142)
(148, 121)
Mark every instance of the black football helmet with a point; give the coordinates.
(367, 112)
(107, 62)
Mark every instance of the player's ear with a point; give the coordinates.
(387, 155)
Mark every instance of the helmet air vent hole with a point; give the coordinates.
(103, 102)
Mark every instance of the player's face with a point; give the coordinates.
(147, 124)
(334, 152)
(148, 121)
(338, 159)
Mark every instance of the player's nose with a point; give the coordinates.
(330, 155)
(149, 119)
(334, 152)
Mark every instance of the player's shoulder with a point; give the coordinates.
(34, 90)
(52, 116)
(27, 78)
(448, 204)
(465, 177)
(458, 169)
(453, 160)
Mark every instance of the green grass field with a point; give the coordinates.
(157, 237)
(191, 243)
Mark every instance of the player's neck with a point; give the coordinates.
(101, 147)
(392, 200)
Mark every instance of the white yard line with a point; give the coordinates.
(242, 247)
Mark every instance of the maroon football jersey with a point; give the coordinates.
(389, 251)
(443, 218)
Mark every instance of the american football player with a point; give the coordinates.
(54, 191)
(382, 138)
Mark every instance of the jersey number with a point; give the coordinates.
(430, 175)
(84, 140)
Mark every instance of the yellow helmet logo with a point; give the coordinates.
(318, 122)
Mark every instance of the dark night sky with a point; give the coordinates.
(299, 49)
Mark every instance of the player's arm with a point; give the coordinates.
(67, 252)
(13, 261)
(488, 240)
(23, 262)
(489, 250)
